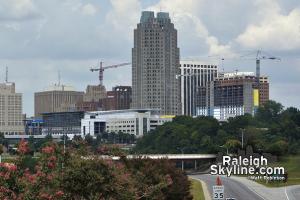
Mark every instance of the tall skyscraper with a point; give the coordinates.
(155, 64)
(194, 77)
(11, 117)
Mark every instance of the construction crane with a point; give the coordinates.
(101, 70)
(260, 55)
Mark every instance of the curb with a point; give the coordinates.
(204, 188)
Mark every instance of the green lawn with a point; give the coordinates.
(292, 167)
(196, 190)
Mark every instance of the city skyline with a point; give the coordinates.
(34, 51)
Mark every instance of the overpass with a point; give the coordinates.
(184, 161)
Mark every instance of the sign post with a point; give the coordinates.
(218, 190)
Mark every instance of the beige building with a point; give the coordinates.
(155, 64)
(11, 117)
(94, 93)
(58, 98)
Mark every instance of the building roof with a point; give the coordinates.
(122, 111)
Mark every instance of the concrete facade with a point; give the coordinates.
(11, 117)
(56, 99)
(155, 64)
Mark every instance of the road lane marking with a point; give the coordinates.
(286, 194)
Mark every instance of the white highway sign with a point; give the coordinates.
(218, 192)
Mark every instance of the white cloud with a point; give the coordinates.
(17, 10)
(124, 15)
(274, 30)
(89, 9)
(79, 6)
(187, 12)
(178, 6)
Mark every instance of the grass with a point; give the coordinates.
(291, 165)
(196, 190)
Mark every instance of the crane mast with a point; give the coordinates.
(260, 57)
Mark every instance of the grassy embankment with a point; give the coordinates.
(291, 165)
(196, 190)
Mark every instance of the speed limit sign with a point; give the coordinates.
(218, 192)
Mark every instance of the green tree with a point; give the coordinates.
(278, 148)
(232, 145)
(269, 112)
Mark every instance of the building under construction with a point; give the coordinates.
(234, 94)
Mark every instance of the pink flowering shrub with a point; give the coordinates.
(59, 176)
(17, 183)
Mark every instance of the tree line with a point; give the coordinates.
(272, 129)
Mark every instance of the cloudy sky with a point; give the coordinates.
(38, 38)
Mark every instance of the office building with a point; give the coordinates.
(58, 98)
(194, 77)
(132, 121)
(155, 64)
(11, 117)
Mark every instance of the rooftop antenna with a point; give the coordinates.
(59, 78)
(6, 75)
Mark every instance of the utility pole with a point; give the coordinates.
(242, 138)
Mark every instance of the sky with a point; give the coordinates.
(38, 38)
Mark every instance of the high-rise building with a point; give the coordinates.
(155, 64)
(233, 94)
(11, 117)
(194, 78)
(58, 98)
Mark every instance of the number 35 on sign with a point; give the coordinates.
(218, 192)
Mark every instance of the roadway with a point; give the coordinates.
(241, 188)
(232, 188)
